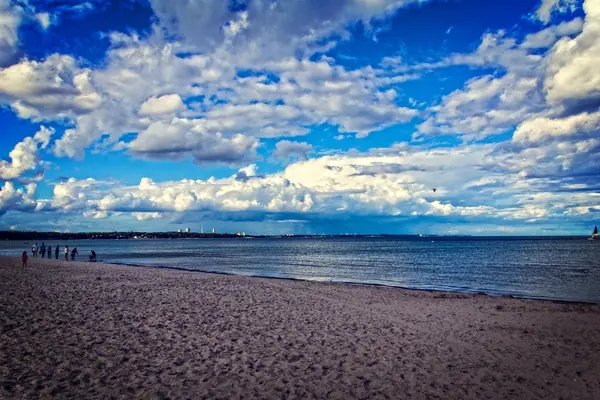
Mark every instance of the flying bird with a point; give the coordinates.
(434, 190)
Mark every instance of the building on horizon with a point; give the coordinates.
(187, 230)
(178, 230)
(213, 231)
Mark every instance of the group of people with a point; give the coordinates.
(41, 251)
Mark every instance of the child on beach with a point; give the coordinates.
(24, 258)
(66, 253)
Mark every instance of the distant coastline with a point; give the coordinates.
(33, 235)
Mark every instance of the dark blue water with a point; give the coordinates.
(557, 269)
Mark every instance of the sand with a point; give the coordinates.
(82, 330)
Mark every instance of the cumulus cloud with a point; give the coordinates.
(530, 88)
(166, 104)
(286, 26)
(286, 150)
(11, 16)
(572, 76)
(51, 89)
(547, 37)
(475, 182)
(541, 129)
(379, 182)
(246, 173)
(96, 214)
(16, 199)
(486, 105)
(181, 138)
(147, 216)
(150, 80)
(72, 195)
(25, 156)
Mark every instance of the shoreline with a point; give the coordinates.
(93, 330)
(467, 292)
(367, 284)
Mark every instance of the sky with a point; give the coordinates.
(301, 116)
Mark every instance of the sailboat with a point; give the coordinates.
(595, 234)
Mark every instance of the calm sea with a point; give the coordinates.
(559, 269)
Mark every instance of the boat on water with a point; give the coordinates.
(595, 234)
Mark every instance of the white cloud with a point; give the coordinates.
(72, 195)
(549, 7)
(25, 156)
(10, 18)
(487, 105)
(181, 138)
(541, 129)
(51, 89)
(245, 173)
(497, 181)
(44, 19)
(147, 81)
(166, 104)
(12, 198)
(573, 75)
(497, 49)
(286, 150)
(96, 214)
(286, 26)
(147, 216)
(530, 89)
(547, 37)
(399, 182)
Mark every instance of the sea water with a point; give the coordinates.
(543, 268)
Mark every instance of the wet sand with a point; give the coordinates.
(81, 330)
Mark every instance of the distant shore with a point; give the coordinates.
(99, 330)
(37, 236)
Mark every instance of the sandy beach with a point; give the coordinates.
(81, 330)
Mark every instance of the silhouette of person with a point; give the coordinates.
(56, 251)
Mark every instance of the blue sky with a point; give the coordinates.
(301, 117)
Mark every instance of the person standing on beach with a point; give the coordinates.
(49, 252)
(66, 252)
(74, 253)
(34, 250)
(43, 250)
(24, 258)
(56, 251)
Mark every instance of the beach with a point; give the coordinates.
(92, 330)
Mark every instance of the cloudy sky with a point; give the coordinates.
(301, 116)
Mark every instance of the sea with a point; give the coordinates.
(565, 269)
